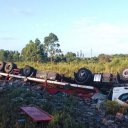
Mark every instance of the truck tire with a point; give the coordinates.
(123, 75)
(9, 67)
(28, 71)
(83, 76)
(2, 65)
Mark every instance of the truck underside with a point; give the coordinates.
(84, 84)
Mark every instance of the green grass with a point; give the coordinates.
(68, 69)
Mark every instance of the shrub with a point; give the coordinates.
(111, 107)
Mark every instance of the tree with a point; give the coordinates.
(3, 56)
(10, 55)
(51, 45)
(70, 56)
(6, 55)
(104, 58)
(59, 58)
(33, 51)
(16, 56)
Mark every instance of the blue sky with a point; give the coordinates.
(81, 25)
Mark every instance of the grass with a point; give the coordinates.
(14, 97)
(68, 69)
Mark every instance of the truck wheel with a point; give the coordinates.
(83, 76)
(28, 71)
(2, 66)
(9, 67)
(123, 75)
(124, 97)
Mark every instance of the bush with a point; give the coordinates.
(111, 107)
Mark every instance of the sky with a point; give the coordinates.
(88, 26)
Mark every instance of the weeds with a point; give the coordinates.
(14, 97)
(111, 107)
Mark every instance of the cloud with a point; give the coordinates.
(25, 12)
(8, 38)
(86, 34)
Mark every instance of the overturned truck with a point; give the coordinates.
(84, 83)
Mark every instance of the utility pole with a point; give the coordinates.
(91, 52)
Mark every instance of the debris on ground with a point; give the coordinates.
(89, 113)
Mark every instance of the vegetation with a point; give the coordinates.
(51, 45)
(73, 64)
(17, 95)
(6, 55)
(112, 107)
(68, 68)
(33, 51)
(38, 54)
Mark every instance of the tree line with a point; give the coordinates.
(37, 51)
(49, 50)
